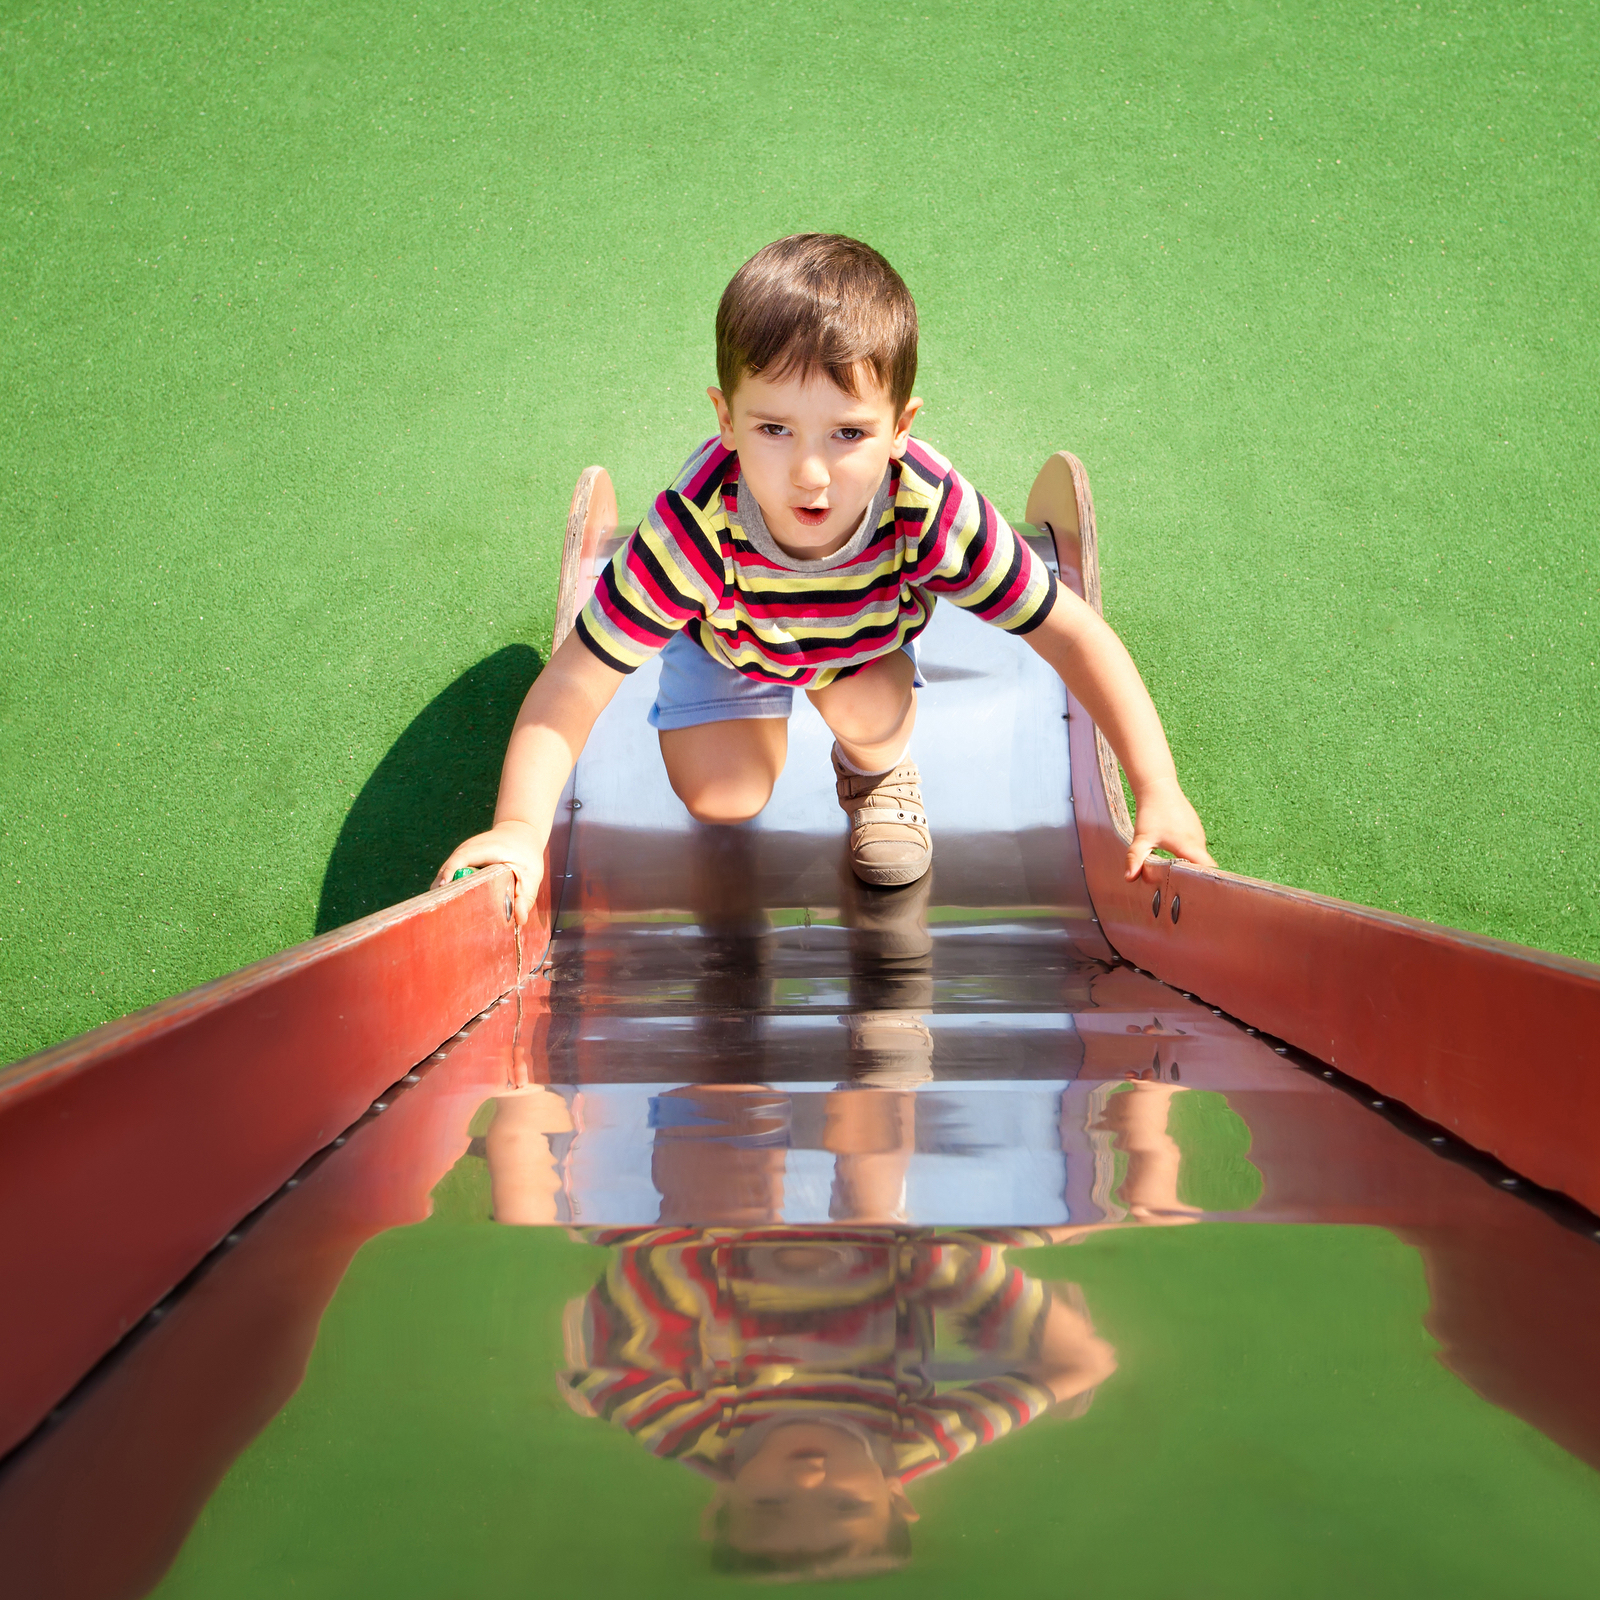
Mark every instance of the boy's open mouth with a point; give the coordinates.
(810, 516)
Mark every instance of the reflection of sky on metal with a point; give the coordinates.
(986, 1153)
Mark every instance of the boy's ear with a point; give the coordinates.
(902, 429)
(724, 416)
(899, 1500)
(708, 1517)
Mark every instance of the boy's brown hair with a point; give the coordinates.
(818, 302)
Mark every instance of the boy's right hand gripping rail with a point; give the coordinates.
(1498, 1043)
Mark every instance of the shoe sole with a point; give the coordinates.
(889, 877)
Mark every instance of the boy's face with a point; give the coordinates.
(812, 455)
(812, 1487)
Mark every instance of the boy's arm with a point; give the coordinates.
(1096, 667)
(1072, 1357)
(552, 727)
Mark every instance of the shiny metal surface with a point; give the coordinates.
(736, 991)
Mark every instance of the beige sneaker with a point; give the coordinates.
(889, 1049)
(889, 838)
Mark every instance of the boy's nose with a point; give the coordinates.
(811, 474)
(807, 1471)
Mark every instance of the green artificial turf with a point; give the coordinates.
(311, 315)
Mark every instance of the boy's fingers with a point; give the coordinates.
(1140, 861)
(1138, 854)
(528, 879)
(482, 851)
(461, 856)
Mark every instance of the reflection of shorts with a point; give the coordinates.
(697, 688)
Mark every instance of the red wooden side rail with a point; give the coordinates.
(1491, 1040)
(127, 1154)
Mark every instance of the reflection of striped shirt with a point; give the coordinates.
(695, 1335)
(704, 560)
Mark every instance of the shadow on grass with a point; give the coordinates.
(436, 785)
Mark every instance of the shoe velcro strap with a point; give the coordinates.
(898, 791)
(864, 815)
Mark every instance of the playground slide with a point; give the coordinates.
(719, 1027)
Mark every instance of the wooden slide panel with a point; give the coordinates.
(1491, 1040)
(127, 1154)
(591, 518)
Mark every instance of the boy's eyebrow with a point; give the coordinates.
(843, 422)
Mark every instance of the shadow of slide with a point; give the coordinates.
(436, 785)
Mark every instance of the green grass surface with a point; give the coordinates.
(1279, 1425)
(311, 316)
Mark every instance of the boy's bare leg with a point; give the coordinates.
(1138, 1115)
(523, 1173)
(725, 1163)
(724, 771)
(872, 1133)
(872, 712)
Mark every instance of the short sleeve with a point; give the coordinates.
(996, 1307)
(957, 1421)
(671, 570)
(970, 554)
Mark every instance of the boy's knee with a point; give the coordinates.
(704, 810)
(867, 718)
(723, 803)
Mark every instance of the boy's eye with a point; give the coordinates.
(850, 435)
(848, 1506)
(773, 430)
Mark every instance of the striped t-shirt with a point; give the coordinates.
(696, 1335)
(703, 560)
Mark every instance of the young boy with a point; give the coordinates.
(805, 546)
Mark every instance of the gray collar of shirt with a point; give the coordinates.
(754, 524)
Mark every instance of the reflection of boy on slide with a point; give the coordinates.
(791, 1365)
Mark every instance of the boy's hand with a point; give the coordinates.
(518, 845)
(1164, 820)
(551, 728)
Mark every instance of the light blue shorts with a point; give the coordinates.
(697, 688)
